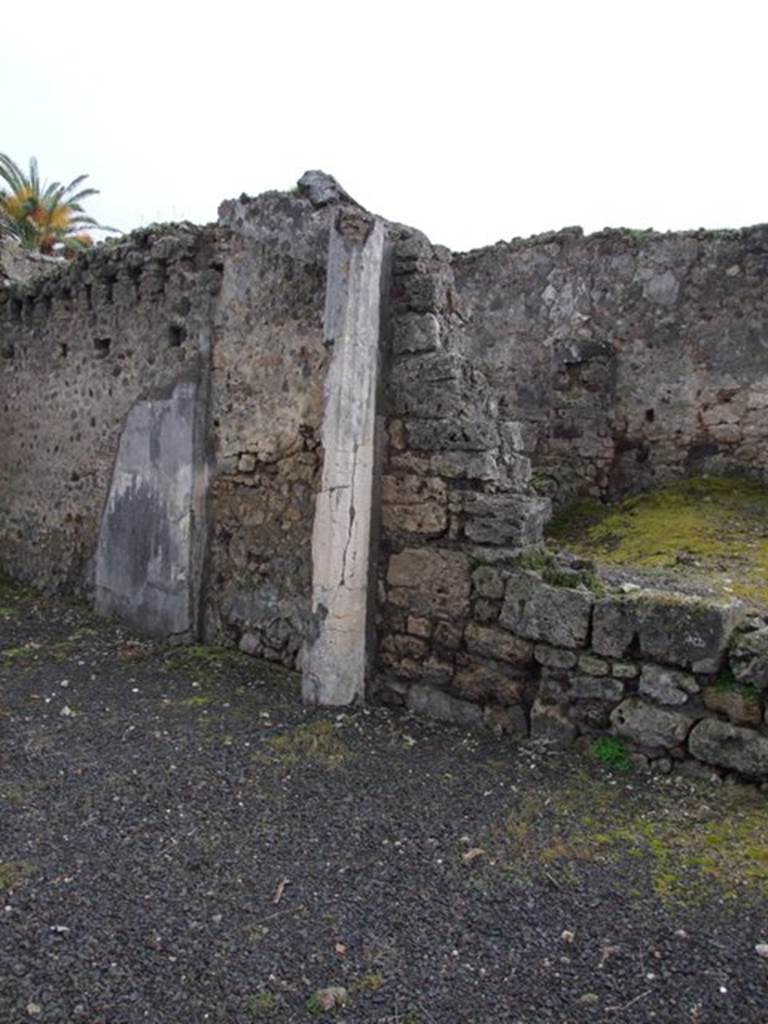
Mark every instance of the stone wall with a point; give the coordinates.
(79, 348)
(269, 365)
(629, 358)
(226, 434)
(214, 543)
(532, 372)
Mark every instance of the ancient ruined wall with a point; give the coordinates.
(164, 404)
(266, 409)
(566, 366)
(79, 349)
(630, 358)
(455, 501)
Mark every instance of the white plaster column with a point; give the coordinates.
(337, 653)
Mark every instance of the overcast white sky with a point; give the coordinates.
(473, 121)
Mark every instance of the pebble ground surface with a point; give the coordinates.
(182, 842)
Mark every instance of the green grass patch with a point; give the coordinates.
(727, 682)
(556, 575)
(709, 528)
(318, 742)
(692, 845)
(13, 873)
(262, 1005)
(611, 752)
(202, 663)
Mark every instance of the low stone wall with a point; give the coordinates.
(547, 653)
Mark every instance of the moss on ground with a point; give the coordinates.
(318, 742)
(202, 663)
(13, 873)
(712, 529)
(714, 840)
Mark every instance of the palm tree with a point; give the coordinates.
(42, 217)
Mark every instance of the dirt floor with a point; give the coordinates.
(182, 842)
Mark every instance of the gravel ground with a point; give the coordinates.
(181, 841)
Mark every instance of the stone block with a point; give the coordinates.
(404, 646)
(625, 669)
(729, 746)
(418, 627)
(457, 465)
(593, 666)
(414, 504)
(506, 519)
(427, 400)
(448, 634)
(497, 643)
(648, 725)
(509, 721)
(668, 627)
(596, 688)
(614, 625)
(416, 332)
(591, 715)
(554, 657)
(554, 686)
(250, 643)
(748, 658)
(518, 472)
(488, 582)
(426, 700)
(485, 611)
(666, 685)
(480, 682)
(740, 708)
(451, 435)
(429, 581)
(551, 722)
(538, 611)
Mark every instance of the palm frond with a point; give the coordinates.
(34, 175)
(12, 174)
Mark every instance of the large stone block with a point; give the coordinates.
(668, 627)
(511, 519)
(666, 685)
(538, 611)
(740, 706)
(497, 643)
(429, 581)
(481, 682)
(648, 725)
(416, 332)
(451, 435)
(488, 582)
(426, 700)
(414, 504)
(596, 688)
(748, 659)
(551, 722)
(728, 746)
(458, 465)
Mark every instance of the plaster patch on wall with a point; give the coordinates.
(144, 555)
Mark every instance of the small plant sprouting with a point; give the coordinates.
(552, 572)
(727, 682)
(611, 752)
(262, 1005)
